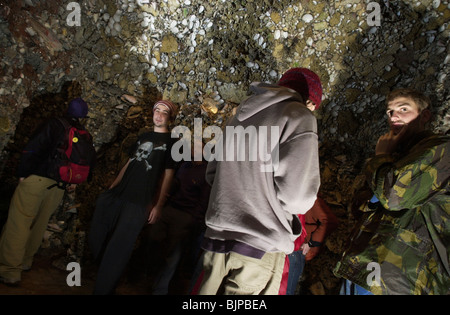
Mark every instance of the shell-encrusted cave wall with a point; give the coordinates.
(203, 55)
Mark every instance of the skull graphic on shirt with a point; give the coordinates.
(143, 153)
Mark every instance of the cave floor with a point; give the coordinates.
(46, 279)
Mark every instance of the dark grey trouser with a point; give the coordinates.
(115, 228)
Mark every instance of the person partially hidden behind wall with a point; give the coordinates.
(401, 243)
(318, 223)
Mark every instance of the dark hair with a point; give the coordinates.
(419, 98)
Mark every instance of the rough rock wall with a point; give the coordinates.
(192, 51)
(203, 55)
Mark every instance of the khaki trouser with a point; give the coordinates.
(236, 274)
(29, 212)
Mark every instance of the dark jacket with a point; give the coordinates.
(37, 156)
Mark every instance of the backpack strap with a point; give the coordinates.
(68, 135)
(62, 143)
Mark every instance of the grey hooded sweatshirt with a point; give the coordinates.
(272, 175)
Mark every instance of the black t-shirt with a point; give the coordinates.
(150, 156)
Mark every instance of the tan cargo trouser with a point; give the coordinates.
(30, 209)
(235, 274)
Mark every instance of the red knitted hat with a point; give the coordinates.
(305, 82)
(173, 109)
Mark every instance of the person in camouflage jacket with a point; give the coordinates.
(401, 243)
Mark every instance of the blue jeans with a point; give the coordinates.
(350, 288)
(296, 265)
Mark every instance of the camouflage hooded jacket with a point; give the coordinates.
(402, 245)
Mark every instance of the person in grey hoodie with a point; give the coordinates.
(265, 171)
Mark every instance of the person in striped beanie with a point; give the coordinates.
(171, 107)
(133, 200)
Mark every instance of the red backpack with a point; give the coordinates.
(76, 155)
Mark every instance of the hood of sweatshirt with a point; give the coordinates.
(265, 95)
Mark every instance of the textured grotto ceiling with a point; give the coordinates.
(203, 55)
